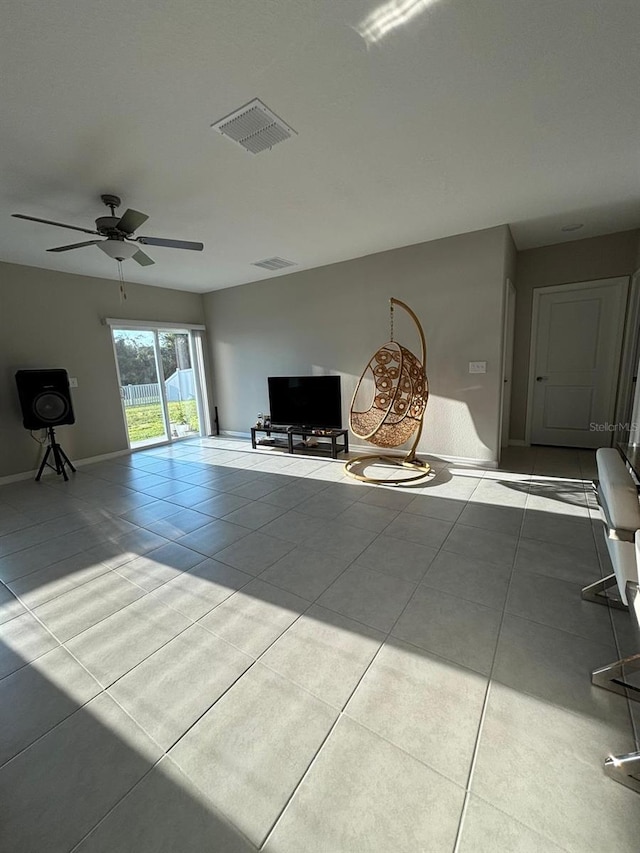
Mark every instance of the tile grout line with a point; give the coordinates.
(256, 660)
(533, 829)
(203, 714)
(296, 787)
(342, 713)
(165, 752)
(103, 690)
(114, 569)
(483, 717)
(83, 550)
(59, 595)
(485, 704)
(117, 803)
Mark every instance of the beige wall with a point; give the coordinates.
(326, 320)
(51, 319)
(332, 319)
(579, 260)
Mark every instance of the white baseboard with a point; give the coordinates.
(368, 448)
(104, 456)
(27, 475)
(454, 460)
(358, 448)
(471, 463)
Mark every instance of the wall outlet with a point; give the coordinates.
(477, 367)
(73, 382)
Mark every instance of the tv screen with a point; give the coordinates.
(310, 401)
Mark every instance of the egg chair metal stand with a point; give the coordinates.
(396, 411)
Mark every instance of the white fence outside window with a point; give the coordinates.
(179, 386)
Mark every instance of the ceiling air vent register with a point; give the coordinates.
(274, 263)
(255, 127)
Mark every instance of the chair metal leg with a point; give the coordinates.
(624, 769)
(616, 677)
(597, 593)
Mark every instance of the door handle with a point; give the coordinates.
(541, 378)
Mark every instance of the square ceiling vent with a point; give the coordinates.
(255, 127)
(274, 263)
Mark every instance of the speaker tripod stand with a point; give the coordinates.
(60, 458)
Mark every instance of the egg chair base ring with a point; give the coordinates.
(396, 411)
(355, 468)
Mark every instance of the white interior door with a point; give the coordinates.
(576, 339)
(507, 359)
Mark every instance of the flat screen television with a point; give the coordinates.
(309, 401)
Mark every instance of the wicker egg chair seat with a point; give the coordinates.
(400, 397)
(396, 410)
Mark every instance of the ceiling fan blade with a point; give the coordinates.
(75, 246)
(131, 220)
(49, 222)
(171, 244)
(142, 259)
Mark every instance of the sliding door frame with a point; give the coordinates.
(197, 365)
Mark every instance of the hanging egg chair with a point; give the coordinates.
(396, 406)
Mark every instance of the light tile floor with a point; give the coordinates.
(206, 648)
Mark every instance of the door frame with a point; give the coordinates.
(120, 394)
(538, 292)
(198, 371)
(625, 392)
(197, 363)
(162, 388)
(508, 331)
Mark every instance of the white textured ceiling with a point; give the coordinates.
(469, 115)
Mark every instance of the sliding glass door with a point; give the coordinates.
(179, 383)
(140, 388)
(161, 378)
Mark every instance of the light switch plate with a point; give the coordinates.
(73, 382)
(477, 367)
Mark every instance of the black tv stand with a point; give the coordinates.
(283, 438)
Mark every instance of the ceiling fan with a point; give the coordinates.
(119, 242)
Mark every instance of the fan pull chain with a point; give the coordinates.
(391, 321)
(123, 292)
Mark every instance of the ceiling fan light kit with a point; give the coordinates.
(119, 242)
(119, 250)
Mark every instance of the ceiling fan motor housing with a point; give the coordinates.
(105, 224)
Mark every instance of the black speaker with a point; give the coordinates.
(45, 398)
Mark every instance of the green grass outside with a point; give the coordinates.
(145, 422)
